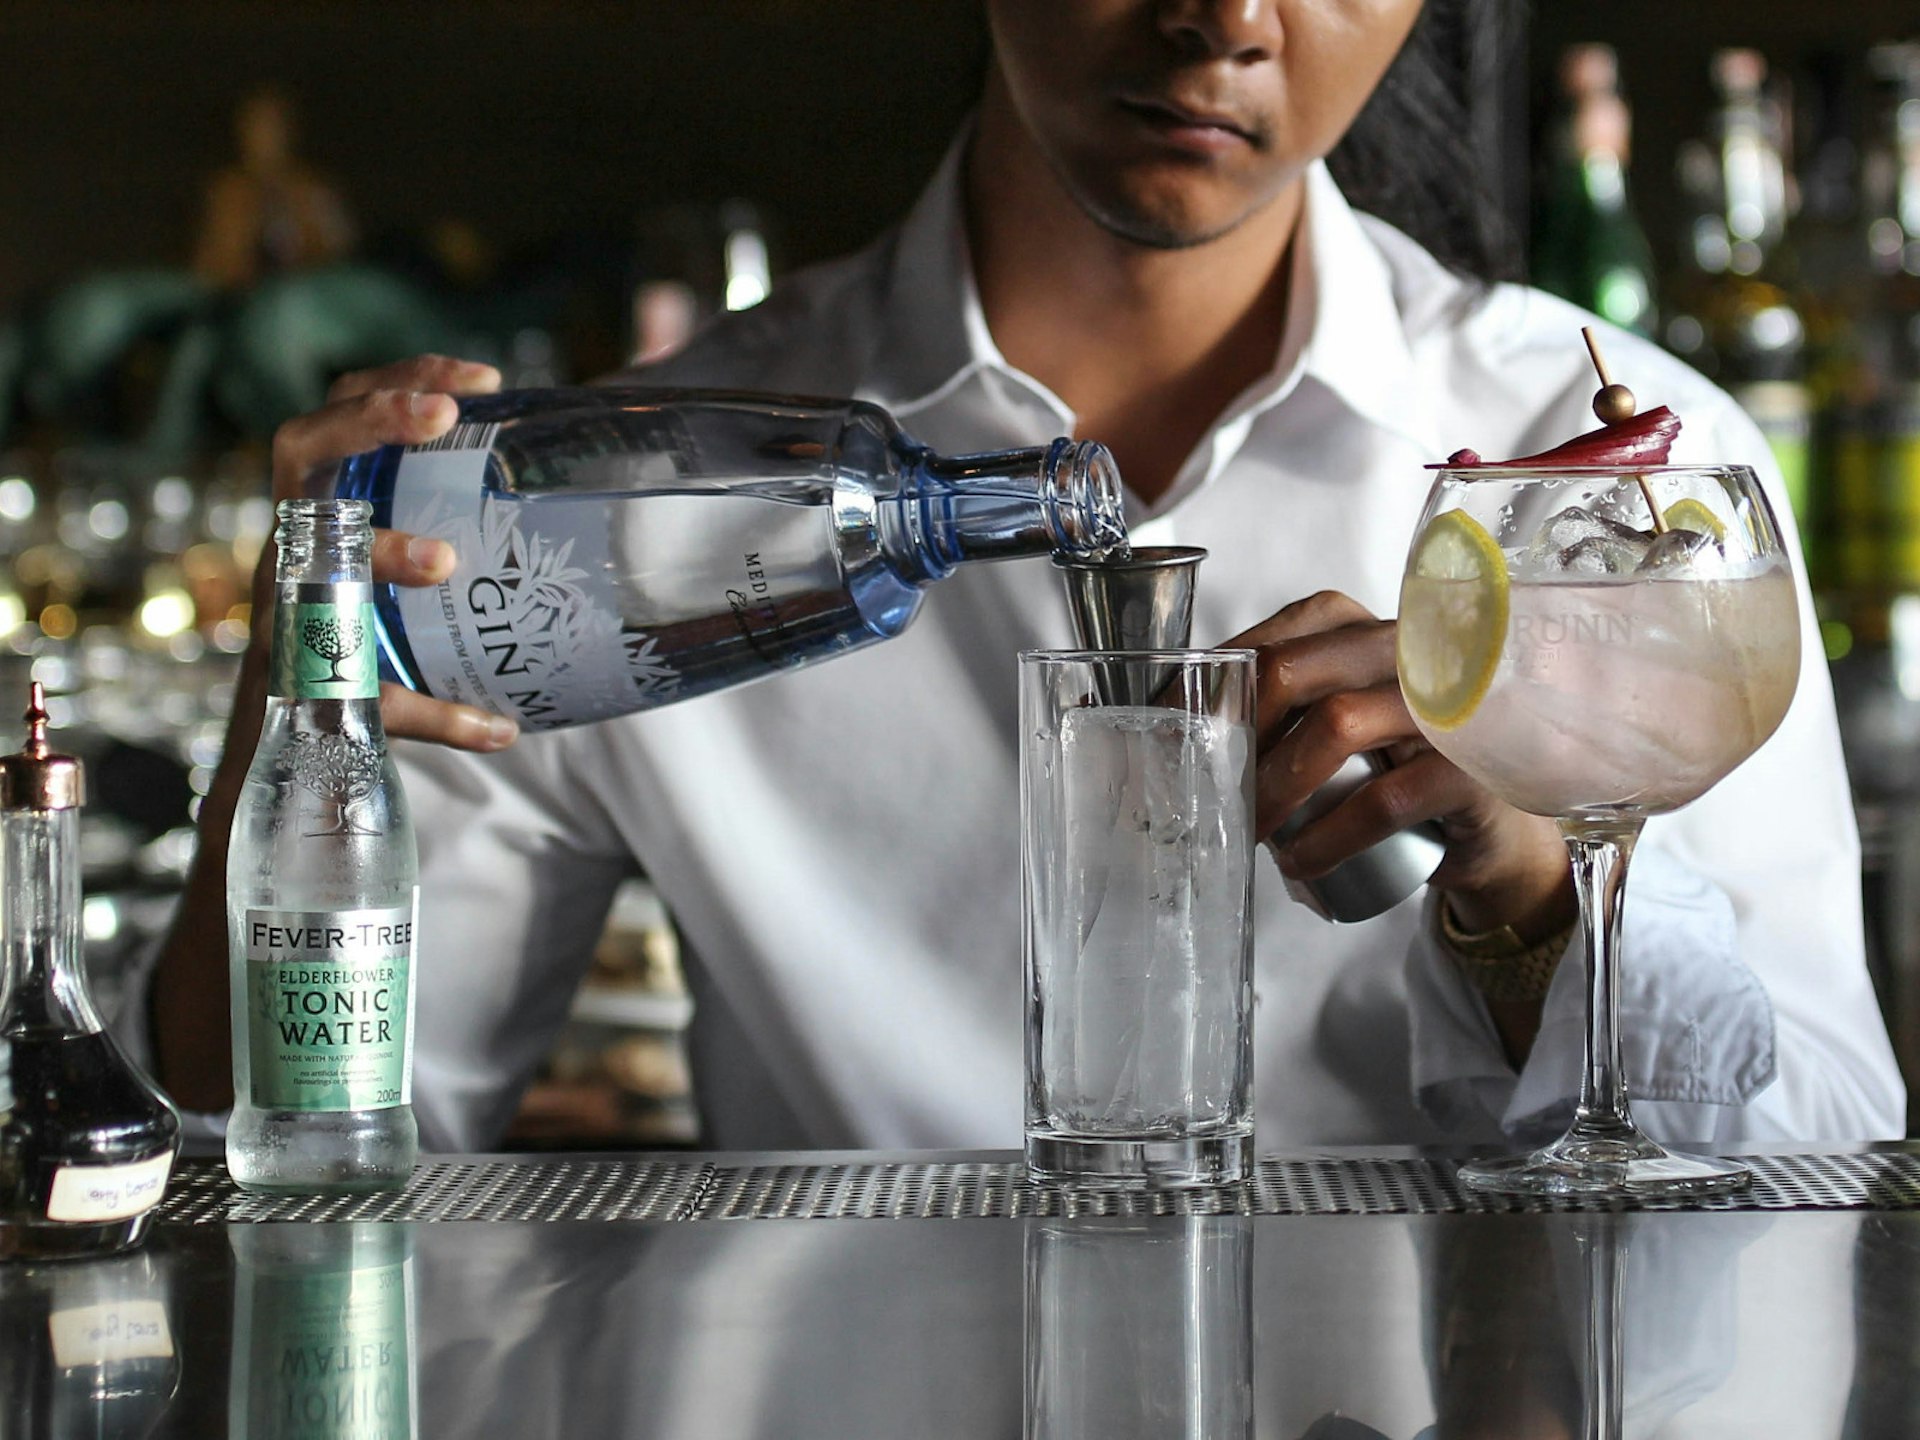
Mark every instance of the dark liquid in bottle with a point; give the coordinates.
(76, 1101)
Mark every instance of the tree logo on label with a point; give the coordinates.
(333, 638)
(340, 771)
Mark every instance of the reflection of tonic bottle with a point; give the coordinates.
(89, 1349)
(1587, 244)
(622, 549)
(89, 1143)
(1734, 312)
(323, 1328)
(321, 893)
(1139, 1327)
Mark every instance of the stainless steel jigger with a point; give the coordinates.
(1145, 602)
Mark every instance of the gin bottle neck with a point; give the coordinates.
(43, 985)
(1057, 499)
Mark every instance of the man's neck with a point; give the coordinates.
(1147, 346)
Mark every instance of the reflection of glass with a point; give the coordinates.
(89, 1347)
(1137, 835)
(323, 1332)
(1611, 1326)
(1584, 667)
(1885, 1395)
(1139, 1328)
(1602, 1256)
(1652, 1300)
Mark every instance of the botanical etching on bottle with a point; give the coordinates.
(339, 770)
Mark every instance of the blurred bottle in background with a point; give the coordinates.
(1871, 425)
(1871, 453)
(692, 262)
(1734, 312)
(1587, 243)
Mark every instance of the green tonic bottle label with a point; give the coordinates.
(330, 1007)
(323, 643)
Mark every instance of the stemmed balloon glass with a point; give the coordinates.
(1599, 645)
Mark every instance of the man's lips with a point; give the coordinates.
(1190, 121)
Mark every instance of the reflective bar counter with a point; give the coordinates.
(1338, 1295)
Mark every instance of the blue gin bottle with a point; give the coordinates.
(622, 549)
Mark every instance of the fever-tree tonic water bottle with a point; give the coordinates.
(623, 548)
(321, 892)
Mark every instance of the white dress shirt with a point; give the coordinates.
(839, 846)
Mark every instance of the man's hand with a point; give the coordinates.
(406, 403)
(1326, 691)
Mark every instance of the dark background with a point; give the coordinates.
(1665, 47)
(543, 119)
(528, 121)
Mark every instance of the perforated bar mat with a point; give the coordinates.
(656, 1189)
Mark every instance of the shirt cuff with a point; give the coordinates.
(1696, 1025)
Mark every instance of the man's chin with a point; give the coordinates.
(1163, 222)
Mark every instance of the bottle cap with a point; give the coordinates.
(34, 778)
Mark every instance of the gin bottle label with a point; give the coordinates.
(542, 621)
(329, 1005)
(324, 646)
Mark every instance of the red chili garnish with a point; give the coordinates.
(1639, 440)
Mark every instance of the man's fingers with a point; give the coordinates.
(1312, 648)
(403, 559)
(462, 727)
(406, 403)
(1305, 758)
(309, 446)
(441, 373)
(1424, 788)
(1299, 672)
(1326, 610)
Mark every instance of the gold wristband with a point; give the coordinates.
(1498, 963)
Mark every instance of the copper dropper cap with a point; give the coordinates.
(34, 777)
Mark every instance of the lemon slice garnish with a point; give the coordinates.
(1691, 514)
(1453, 619)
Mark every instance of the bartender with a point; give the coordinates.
(1210, 234)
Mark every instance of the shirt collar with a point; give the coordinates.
(935, 338)
(1345, 329)
(1357, 337)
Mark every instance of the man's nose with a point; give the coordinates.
(1242, 30)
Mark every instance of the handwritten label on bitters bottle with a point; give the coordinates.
(92, 1193)
(110, 1333)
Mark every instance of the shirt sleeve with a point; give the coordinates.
(1746, 1010)
(518, 865)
